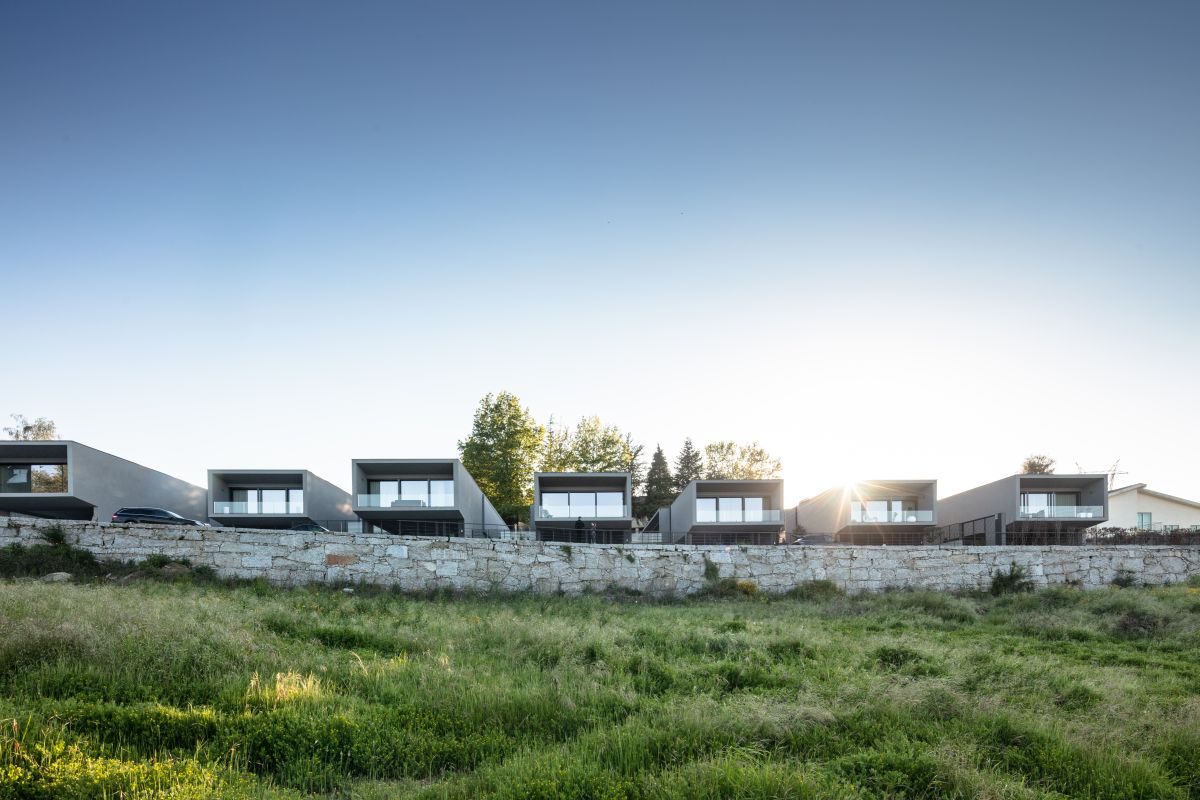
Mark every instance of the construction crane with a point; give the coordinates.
(1112, 472)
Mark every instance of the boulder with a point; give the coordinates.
(56, 577)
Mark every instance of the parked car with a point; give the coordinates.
(154, 516)
(310, 527)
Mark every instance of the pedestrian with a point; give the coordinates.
(579, 529)
(592, 534)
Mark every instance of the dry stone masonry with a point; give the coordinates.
(422, 563)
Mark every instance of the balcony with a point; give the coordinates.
(584, 512)
(735, 515)
(1062, 512)
(394, 501)
(866, 516)
(235, 508)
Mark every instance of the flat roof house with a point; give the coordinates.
(1026, 509)
(871, 512)
(582, 507)
(1136, 507)
(275, 498)
(722, 511)
(421, 496)
(64, 479)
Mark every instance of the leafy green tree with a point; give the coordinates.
(720, 460)
(634, 465)
(689, 466)
(1037, 464)
(755, 463)
(596, 447)
(502, 453)
(660, 484)
(41, 429)
(730, 461)
(555, 449)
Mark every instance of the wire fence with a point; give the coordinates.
(976, 533)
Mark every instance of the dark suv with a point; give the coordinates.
(154, 516)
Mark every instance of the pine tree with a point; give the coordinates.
(689, 466)
(660, 485)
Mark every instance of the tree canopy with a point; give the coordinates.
(502, 452)
(40, 430)
(660, 484)
(1037, 464)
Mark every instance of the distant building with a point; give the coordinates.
(63, 479)
(871, 512)
(1026, 509)
(1137, 508)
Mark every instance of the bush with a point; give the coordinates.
(1012, 582)
(1138, 625)
(815, 590)
(1124, 579)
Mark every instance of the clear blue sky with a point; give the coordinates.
(883, 239)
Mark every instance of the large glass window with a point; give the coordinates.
(414, 493)
(583, 504)
(1036, 504)
(754, 509)
(441, 494)
(387, 492)
(706, 509)
(556, 505)
(610, 504)
(14, 478)
(729, 509)
(1144, 521)
(25, 478)
(274, 501)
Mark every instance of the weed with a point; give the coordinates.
(1012, 582)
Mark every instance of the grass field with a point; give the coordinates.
(188, 689)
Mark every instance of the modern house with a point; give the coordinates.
(64, 479)
(1026, 509)
(426, 496)
(1137, 508)
(275, 498)
(723, 512)
(871, 512)
(582, 506)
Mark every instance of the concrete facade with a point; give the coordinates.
(481, 565)
(685, 520)
(1165, 511)
(319, 500)
(871, 512)
(613, 520)
(466, 509)
(97, 484)
(994, 513)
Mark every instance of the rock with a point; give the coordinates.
(132, 577)
(174, 570)
(56, 577)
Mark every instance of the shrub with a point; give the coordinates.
(711, 571)
(1124, 579)
(1011, 582)
(815, 590)
(1138, 625)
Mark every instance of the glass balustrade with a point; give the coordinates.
(1062, 512)
(894, 516)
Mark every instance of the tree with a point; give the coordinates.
(720, 460)
(660, 484)
(689, 466)
(40, 430)
(755, 463)
(729, 461)
(596, 447)
(502, 453)
(1037, 464)
(555, 449)
(634, 464)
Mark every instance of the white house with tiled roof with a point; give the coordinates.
(1140, 508)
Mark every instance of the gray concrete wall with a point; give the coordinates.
(325, 501)
(997, 497)
(469, 498)
(426, 563)
(109, 482)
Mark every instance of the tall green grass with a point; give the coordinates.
(188, 690)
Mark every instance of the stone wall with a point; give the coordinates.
(421, 563)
